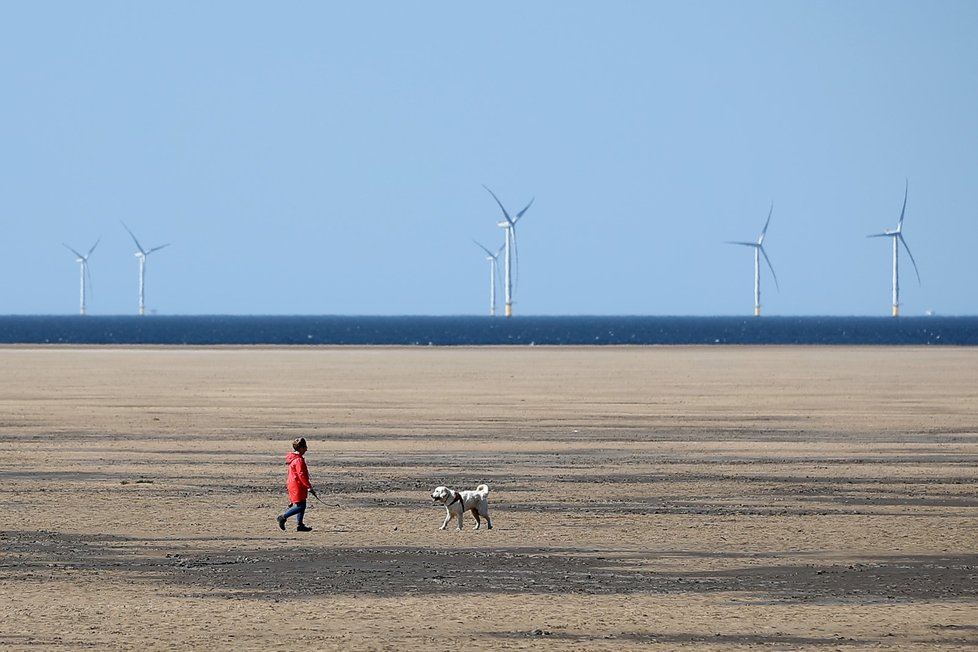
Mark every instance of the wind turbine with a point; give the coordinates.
(758, 252)
(493, 259)
(897, 235)
(141, 255)
(85, 274)
(509, 225)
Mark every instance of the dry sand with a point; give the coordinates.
(705, 498)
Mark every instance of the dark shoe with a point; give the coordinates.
(303, 528)
(281, 522)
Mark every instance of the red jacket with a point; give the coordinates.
(298, 478)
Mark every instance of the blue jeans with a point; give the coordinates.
(298, 509)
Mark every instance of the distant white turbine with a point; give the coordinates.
(897, 236)
(85, 274)
(509, 225)
(493, 259)
(141, 255)
(758, 252)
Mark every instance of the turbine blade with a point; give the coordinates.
(80, 257)
(911, 258)
(526, 208)
(516, 258)
(93, 247)
(764, 230)
(501, 207)
(904, 209)
(91, 283)
(488, 253)
(879, 235)
(737, 242)
(133, 236)
(771, 267)
(157, 248)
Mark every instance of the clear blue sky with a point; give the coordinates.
(328, 158)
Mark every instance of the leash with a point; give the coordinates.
(316, 496)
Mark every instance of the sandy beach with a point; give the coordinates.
(705, 498)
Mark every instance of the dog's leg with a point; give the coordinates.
(484, 510)
(461, 512)
(448, 517)
(475, 513)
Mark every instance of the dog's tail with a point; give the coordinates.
(482, 488)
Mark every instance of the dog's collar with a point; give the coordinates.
(457, 498)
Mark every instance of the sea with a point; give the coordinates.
(200, 330)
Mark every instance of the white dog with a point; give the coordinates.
(458, 502)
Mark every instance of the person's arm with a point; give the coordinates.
(309, 486)
(303, 475)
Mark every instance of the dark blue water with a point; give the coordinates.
(469, 331)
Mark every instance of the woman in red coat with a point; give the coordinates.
(298, 484)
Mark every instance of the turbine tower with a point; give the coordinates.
(141, 255)
(85, 274)
(509, 226)
(897, 236)
(758, 252)
(493, 259)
